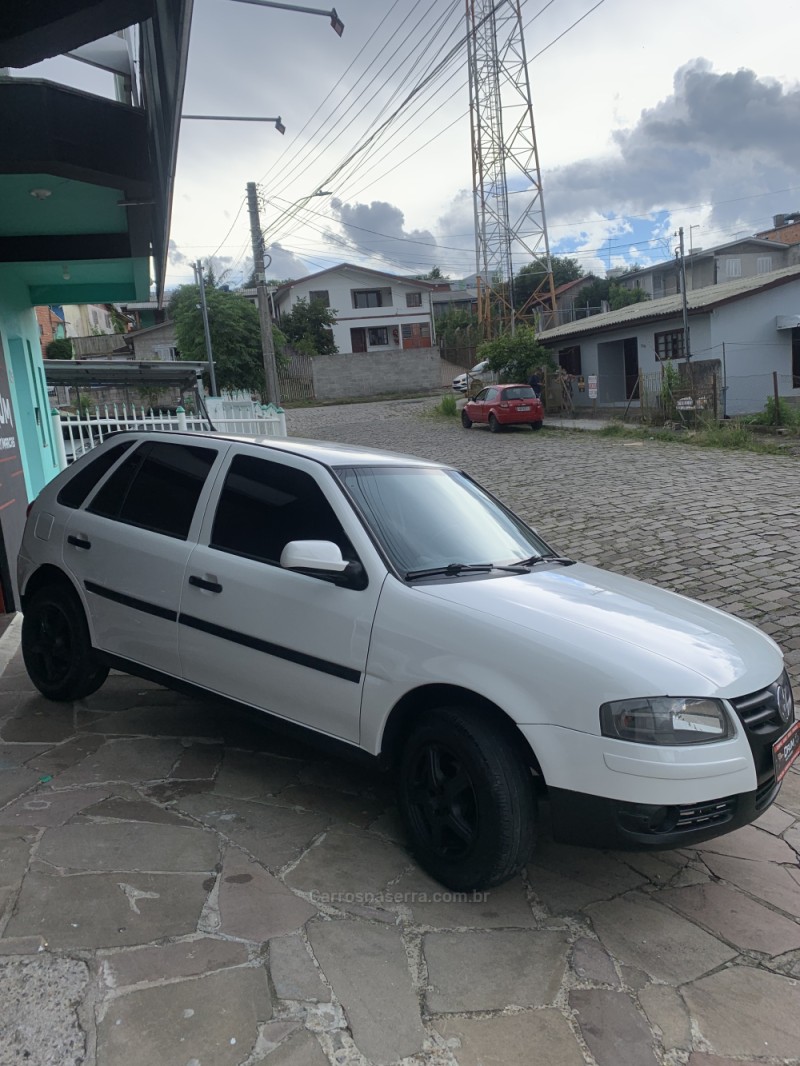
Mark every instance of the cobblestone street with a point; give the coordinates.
(182, 886)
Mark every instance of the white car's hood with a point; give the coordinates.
(585, 607)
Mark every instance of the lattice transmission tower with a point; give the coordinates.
(507, 182)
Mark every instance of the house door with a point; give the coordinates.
(630, 351)
(417, 335)
(358, 340)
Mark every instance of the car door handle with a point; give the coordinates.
(201, 583)
(79, 542)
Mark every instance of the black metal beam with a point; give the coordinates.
(64, 248)
(32, 30)
(50, 129)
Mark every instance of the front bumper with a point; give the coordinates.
(594, 821)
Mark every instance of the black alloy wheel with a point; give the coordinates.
(494, 425)
(467, 799)
(56, 647)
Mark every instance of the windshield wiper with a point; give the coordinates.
(522, 567)
(535, 559)
(454, 569)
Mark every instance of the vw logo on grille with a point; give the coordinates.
(785, 700)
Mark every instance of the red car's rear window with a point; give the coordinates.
(518, 392)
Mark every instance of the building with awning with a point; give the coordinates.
(86, 186)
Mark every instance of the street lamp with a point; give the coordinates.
(336, 23)
(279, 126)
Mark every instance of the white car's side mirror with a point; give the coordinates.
(313, 555)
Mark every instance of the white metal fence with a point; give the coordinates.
(79, 433)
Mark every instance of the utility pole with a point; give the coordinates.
(264, 316)
(687, 351)
(201, 285)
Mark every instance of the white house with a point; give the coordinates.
(742, 331)
(375, 312)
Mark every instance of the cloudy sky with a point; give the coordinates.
(647, 117)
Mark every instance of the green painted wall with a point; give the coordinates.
(19, 333)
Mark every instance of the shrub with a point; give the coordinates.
(59, 349)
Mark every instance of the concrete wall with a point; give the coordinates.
(339, 377)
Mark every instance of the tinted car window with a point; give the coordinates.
(264, 505)
(156, 488)
(78, 487)
(519, 392)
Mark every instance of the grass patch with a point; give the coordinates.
(616, 429)
(731, 436)
(445, 408)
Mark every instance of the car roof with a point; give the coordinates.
(329, 453)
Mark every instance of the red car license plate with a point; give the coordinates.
(523, 407)
(785, 750)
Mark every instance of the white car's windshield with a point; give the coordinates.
(426, 518)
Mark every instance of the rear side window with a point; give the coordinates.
(264, 505)
(81, 484)
(156, 488)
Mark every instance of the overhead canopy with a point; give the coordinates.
(182, 374)
(86, 182)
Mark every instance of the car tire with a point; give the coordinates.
(56, 646)
(466, 421)
(494, 425)
(467, 799)
(535, 426)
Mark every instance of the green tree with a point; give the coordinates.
(59, 349)
(432, 275)
(531, 276)
(308, 328)
(235, 335)
(619, 296)
(590, 298)
(456, 327)
(514, 356)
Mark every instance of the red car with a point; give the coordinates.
(504, 405)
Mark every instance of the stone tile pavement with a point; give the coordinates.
(182, 886)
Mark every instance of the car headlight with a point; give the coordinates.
(666, 720)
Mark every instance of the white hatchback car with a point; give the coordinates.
(480, 373)
(393, 604)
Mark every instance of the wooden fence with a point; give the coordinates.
(296, 379)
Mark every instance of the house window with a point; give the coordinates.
(406, 332)
(569, 359)
(763, 264)
(413, 299)
(319, 296)
(669, 345)
(424, 329)
(367, 298)
(378, 335)
(733, 268)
